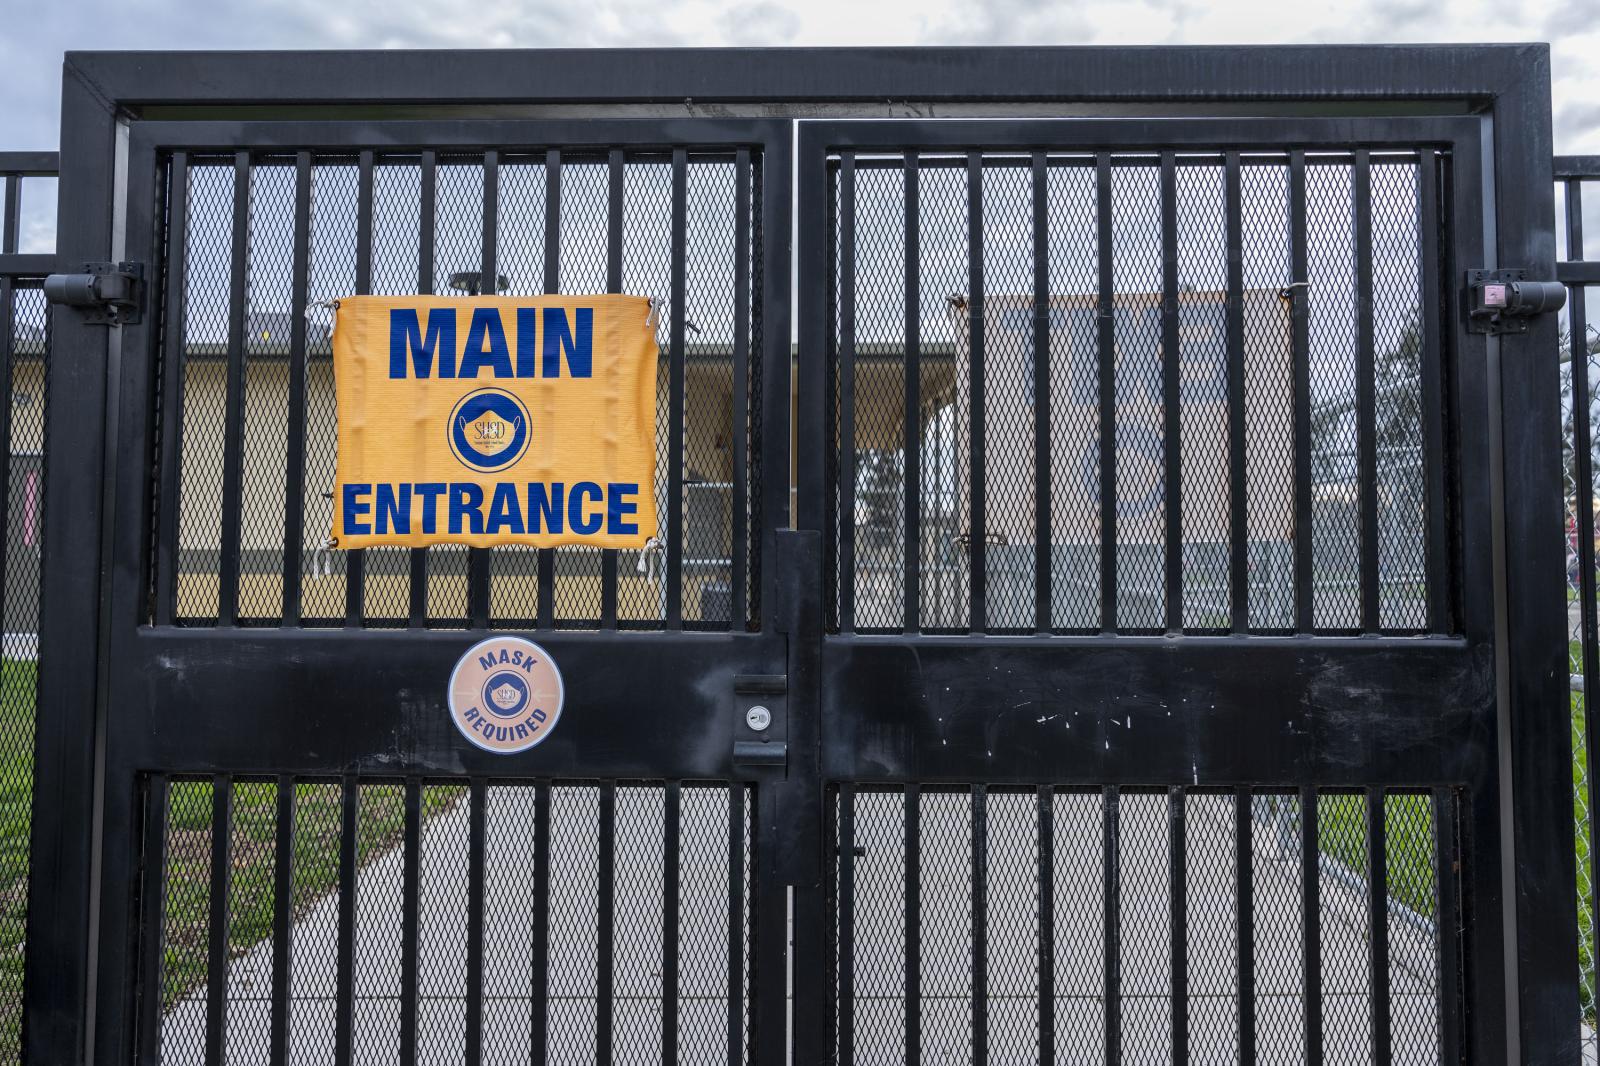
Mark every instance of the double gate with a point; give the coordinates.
(1133, 556)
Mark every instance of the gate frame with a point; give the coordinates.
(1508, 86)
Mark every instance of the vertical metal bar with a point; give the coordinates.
(1366, 393)
(1447, 923)
(1310, 925)
(675, 378)
(152, 911)
(295, 459)
(980, 926)
(417, 608)
(911, 434)
(673, 854)
(11, 219)
(1244, 922)
(734, 1052)
(1171, 384)
(410, 922)
(478, 802)
(977, 519)
(605, 936)
(1111, 893)
(846, 369)
(615, 206)
(480, 564)
(546, 584)
(1434, 460)
(539, 963)
(282, 910)
(738, 613)
(1583, 490)
(1043, 541)
(1045, 799)
(1300, 347)
(233, 426)
(1378, 926)
(1178, 924)
(345, 971)
(217, 942)
(1105, 312)
(1238, 467)
(173, 365)
(355, 579)
(913, 916)
(847, 924)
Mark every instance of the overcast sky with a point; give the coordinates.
(33, 36)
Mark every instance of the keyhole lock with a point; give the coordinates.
(758, 718)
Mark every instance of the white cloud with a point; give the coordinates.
(36, 34)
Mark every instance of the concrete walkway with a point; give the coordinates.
(946, 969)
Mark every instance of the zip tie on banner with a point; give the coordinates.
(649, 560)
(322, 558)
(332, 305)
(653, 319)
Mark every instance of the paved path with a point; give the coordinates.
(946, 965)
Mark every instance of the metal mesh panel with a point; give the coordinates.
(205, 387)
(1203, 390)
(1336, 519)
(1128, 982)
(266, 389)
(870, 510)
(637, 943)
(1346, 965)
(1075, 416)
(185, 936)
(880, 395)
(1278, 948)
(705, 453)
(647, 268)
(1210, 887)
(314, 910)
(1077, 877)
(396, 249)
(608, 851)
(1397, 329)
(1011, 921)
(1008, 398)
(574, 907)
(942, 271)
(1145, 929)
(707, 447)
(442, 925)
(332, 274)
(1268, 392)
(1140, 447)
(1413, 914)
(26, 396)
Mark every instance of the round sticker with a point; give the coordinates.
(488, 430)
(506, 694)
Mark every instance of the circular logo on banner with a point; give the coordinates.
(506, 694)
(488, 430)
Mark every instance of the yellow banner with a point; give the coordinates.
(494, 420)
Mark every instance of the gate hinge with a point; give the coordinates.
(110, 294)
(1502, 301)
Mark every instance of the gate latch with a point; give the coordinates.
(1502, 301)
(110, 294)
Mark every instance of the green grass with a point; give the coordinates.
(252, 894)
(17, 687)
(1408, 843)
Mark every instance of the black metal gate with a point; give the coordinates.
(1132, 557)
